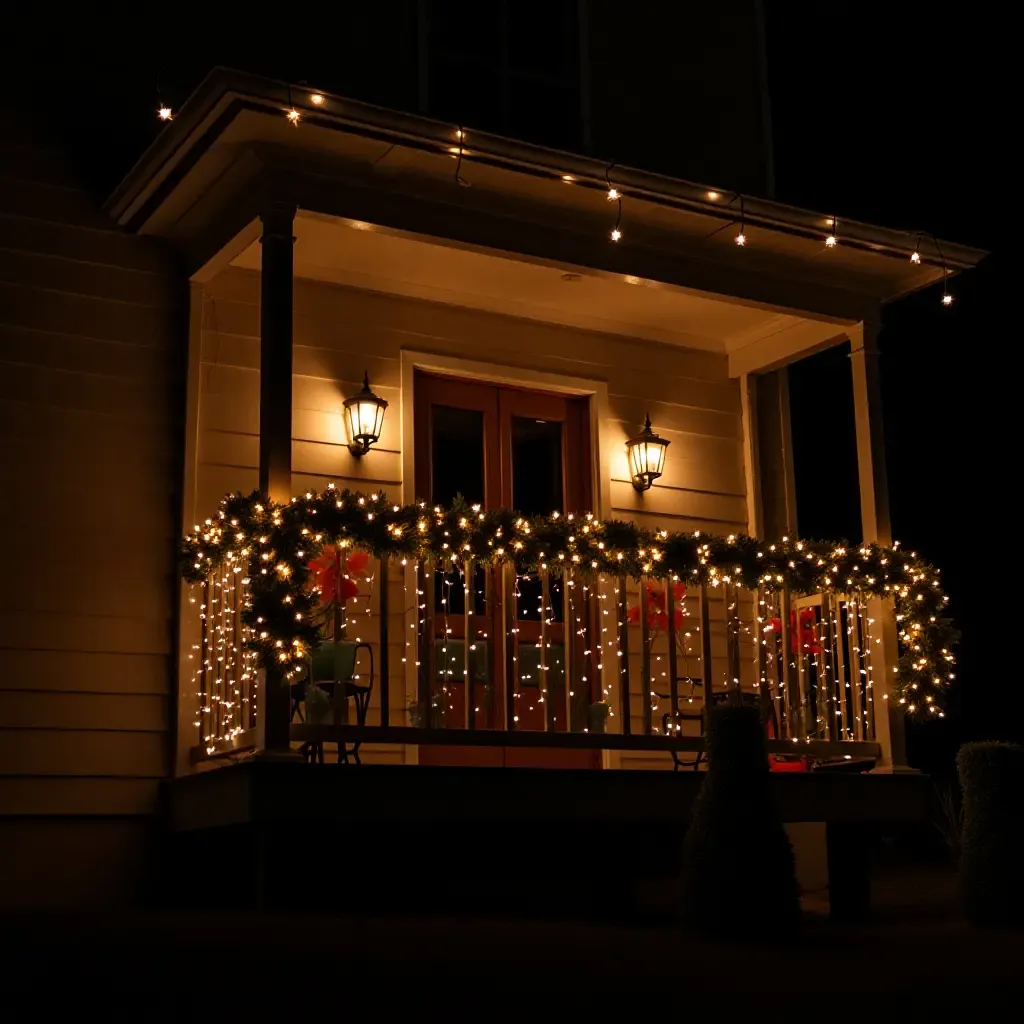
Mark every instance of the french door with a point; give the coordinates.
(530, 451)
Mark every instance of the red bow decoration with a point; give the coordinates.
(657, 616)
(332, 572)
(803, 639)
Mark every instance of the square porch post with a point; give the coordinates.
(275, 473)
(877, 528)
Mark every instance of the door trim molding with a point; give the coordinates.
(497, 373)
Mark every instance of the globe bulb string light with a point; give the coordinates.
(163, 109)
(614, 196)
(292, 113)
(832, 239)
(947, 298)
(318, 101)
(460, 135)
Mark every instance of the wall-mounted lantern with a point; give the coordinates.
(364, 415)
(646, 454)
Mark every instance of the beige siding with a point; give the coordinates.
(339, 332)
(89, 378)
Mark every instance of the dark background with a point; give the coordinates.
(884, 113)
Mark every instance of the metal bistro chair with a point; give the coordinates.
(669, 722)
(330, 662)
(673, 719)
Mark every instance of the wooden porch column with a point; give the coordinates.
(877, 528)
(275, 479)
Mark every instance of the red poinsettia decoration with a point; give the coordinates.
(333, 571)
(657, 614)
(804, 638)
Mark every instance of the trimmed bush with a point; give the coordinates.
(738, 878)
(992, 843)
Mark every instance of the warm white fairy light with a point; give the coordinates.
(613, 195)
(165, 113)
(218, 548)
(317, 99)
(293, 116)
(741, 239)
(831, 240)
(616, 234)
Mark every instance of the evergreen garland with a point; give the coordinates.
(272, 545)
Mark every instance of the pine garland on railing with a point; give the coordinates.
(273, 545)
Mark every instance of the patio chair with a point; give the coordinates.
(332, 668)
(673, 719)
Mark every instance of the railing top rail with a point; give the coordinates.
(576, 741)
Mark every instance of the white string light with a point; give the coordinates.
(741, 237)
(831, 240)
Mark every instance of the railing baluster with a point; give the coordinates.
(778, 691)
(236, 652)
(673, 654)
(221, 654)
(385, 661)
(730, 596)
(467, 634)
(545, 604)
(792, 698)
(761, 655)
(425, 638)
(489, 642)
(591, 654)
(856, 664)
(869, 697)
(511, 645)
(803, 677)
(622, 624)
(705, 655)
(568, 644)
(825, 688)
(842, 678)
(645, 654)
(204, 642)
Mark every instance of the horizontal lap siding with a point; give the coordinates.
(340, 332)
(90, 381)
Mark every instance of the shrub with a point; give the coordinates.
(992, 846)
(738, 877)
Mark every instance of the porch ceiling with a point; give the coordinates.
(361, 255)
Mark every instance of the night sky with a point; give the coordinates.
(881, 112)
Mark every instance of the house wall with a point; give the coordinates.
(89, 359)
(339, 332)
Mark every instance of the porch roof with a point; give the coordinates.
(351, 167)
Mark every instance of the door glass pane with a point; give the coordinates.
(536, 466)
(537, 490)
(457, 455)
(457, 468)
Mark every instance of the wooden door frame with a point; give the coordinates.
(602, 429)
(603, 442)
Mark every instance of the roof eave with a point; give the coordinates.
(223, 85)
